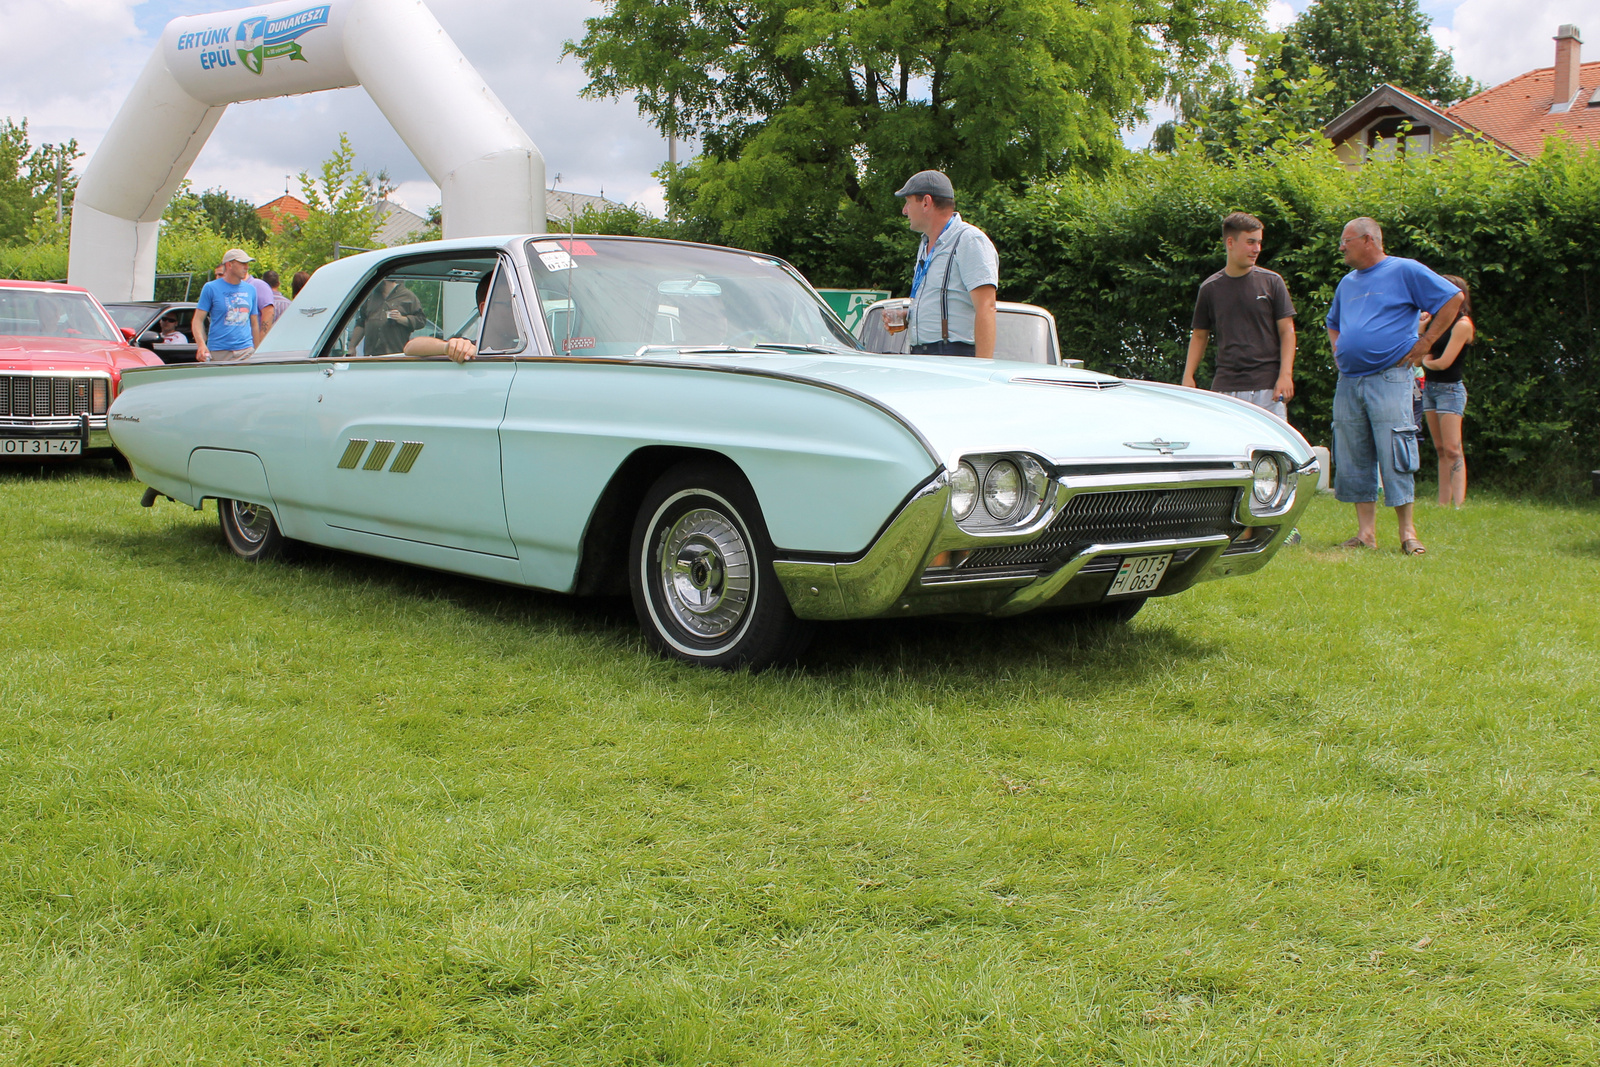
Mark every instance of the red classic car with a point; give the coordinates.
(61, 364)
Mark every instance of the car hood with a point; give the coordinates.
(66, 354)
(1065, 415)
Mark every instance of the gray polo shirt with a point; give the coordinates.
(976, 263)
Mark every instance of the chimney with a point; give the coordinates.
(1568, 64)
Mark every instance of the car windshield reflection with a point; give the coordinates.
(609, 297)
(50, 313)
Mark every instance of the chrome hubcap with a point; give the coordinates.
(252, 521)
(705, 573)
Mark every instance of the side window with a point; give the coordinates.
(410, 299)
(501, 332)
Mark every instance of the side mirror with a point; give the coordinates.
(128, 334)
(146, 339)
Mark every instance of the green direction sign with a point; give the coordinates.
(851, 304)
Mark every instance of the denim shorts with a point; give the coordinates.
(1261, 398)
(1447, 398)
(1375, 438)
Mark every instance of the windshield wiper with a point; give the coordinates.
(826, 350)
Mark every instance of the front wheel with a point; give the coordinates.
(250, 530)
(701, 573)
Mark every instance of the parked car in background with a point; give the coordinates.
(61, 365)
(1024, 333)
(692, 426)
(144, 317)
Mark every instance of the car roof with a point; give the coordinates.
(999, 305)
(23, 283)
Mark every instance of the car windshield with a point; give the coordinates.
(608, 297)
(130, 316)
(52, 313)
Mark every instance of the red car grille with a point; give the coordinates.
(29, 396)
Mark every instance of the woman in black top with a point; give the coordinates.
(1444, 397)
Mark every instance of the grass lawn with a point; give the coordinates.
(347, 812)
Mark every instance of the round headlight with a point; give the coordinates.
(1267, 479)
(1002, 490)
(963, 491)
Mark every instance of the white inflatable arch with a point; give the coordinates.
(490, 174)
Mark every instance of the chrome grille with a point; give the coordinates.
(26, 396)
(1120, 515)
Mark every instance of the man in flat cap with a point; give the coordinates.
(952, 290)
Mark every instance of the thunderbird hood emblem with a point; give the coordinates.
(1166, 448)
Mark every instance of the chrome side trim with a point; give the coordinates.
(409, 451)
(352, 454)
(380, 454)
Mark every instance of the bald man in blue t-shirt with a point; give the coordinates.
(1372, 327)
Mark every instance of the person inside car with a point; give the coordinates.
(499, 330)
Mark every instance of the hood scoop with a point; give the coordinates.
(1071, 383)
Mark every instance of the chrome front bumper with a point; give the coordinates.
(893, 576)
(95, 436)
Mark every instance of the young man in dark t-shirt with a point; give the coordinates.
(1248, 309)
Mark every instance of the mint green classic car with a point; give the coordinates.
(693, 426)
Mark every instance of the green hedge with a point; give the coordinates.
(1118, 261)
(194, 253)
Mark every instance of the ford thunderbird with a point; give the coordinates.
(692, 426)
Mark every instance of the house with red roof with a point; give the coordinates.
(1517, 116)
(277, 214)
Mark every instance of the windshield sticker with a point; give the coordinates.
(556, 260)
(577, 342)
(576, 248)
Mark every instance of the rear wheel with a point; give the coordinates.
(701, 573)
(250, 530)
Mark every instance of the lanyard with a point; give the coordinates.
(926, 261)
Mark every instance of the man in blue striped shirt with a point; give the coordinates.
(957, 273)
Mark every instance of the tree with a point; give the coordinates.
(1232, 122)
(1364, 43)
(343, 206)
(32, 180)
(432, 231)
(810, 113)
(232, 216)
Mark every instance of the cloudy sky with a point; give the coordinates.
(72, 62)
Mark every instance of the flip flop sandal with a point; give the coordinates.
(1354, 542)
(1412, 547)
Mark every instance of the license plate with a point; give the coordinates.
(1139, 574)
(40, 446)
